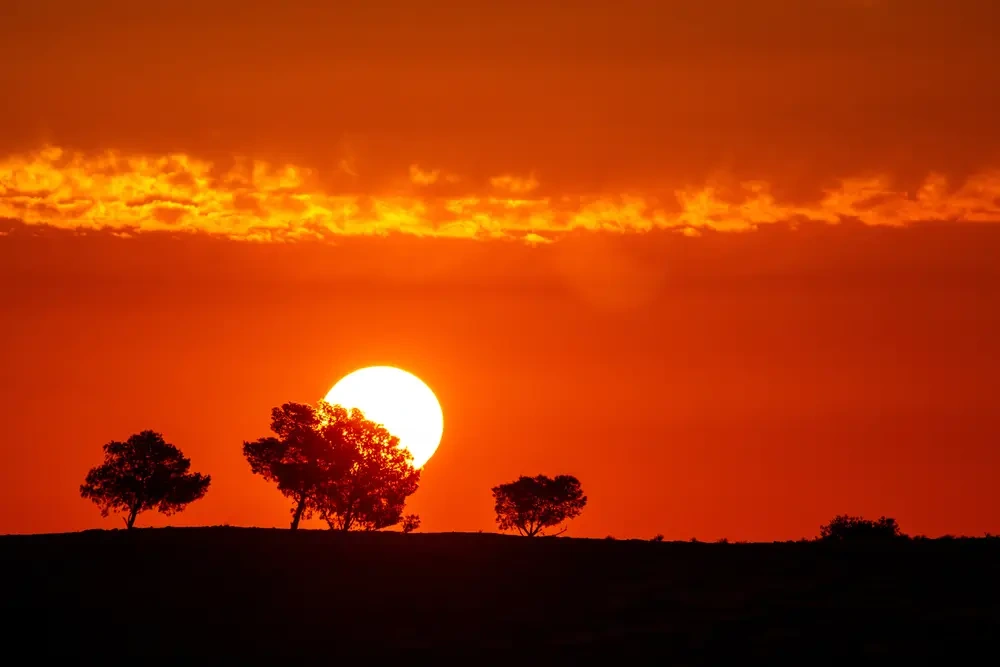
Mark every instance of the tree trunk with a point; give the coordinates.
(133, 513)
(298, 512)
(345, 523)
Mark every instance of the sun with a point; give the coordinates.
(398, 400)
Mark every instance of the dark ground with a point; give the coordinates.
(260, 595)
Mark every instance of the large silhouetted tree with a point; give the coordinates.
(855, 528)
(372, 492)
(143, 473)
(303, 456)
(533, 504)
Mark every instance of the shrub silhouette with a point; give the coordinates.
(371, 492)
(302, 457)
(844, 528)
(140, 474)
(410, 523)
(532, 504)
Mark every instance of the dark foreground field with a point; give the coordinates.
(256, 594)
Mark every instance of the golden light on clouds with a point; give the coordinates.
(257, 201)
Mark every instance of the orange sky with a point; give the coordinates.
(733, 264)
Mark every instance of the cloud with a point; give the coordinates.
(419, 176)
(347, 166)
(515, 185)
(254, 200)
(535, 239)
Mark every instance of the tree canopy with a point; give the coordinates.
(532, 504)
(140, 474)
(411, 522)
(371, 494)
(856, 528)
(334, 462)
(301, 457)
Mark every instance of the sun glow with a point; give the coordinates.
(398, 400)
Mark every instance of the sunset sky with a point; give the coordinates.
(735, 264)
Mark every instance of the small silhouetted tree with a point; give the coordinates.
(410, 523)
(844, 528)
(532, 504)
(372, 491)
(140, 474)
(304, 456)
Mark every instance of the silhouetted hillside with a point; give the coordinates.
(266, 594)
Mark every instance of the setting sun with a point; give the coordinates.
(398, 400)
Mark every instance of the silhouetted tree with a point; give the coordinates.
(532, 504)
(855, 528)
(410, 523)
(140, 474)
(372, 491)
(304, 456)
